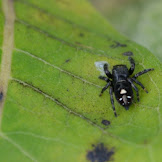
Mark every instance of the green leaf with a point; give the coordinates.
(52, 110)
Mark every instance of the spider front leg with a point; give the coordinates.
(112, 100)
(107, 72)
(131, 70)
(104, 88)
(135, 88)
(142, 72)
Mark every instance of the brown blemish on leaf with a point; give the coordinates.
(66, 61)
(106, 122)
(83, 46)
(117, 44)
(145, 142)
(100, 153)
(81, 35)
(128, 53)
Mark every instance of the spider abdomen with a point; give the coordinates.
(123, 93)
(122, 88)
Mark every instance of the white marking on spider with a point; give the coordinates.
(120, 99)
(128, 96)
(123, 91)
(122, 103)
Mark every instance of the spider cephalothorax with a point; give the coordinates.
(121, 83)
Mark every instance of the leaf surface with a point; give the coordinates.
(52, 110)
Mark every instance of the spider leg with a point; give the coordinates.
(131, 70)
(142, 72)
(107, 72)
(103, 78)
(104, 88)
(135, 88)
(112, 100)
(139, 83)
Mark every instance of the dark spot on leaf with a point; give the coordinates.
(81, 35)
(67, 60)
(100, 153)
(117, 44)
(78, 43)
(67, 90)
(129, 53)
(1, 96)
(56, 100)
(145, 142)
(83, 46)
(106, 122)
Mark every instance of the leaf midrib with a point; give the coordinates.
(7, 48)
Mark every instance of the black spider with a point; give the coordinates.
(121, 84)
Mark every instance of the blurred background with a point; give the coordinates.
(139, 20)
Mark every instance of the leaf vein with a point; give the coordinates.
(24, 152)
(64, 19)
(7, 47)
(56, 67)
(41, 137)
(76, 46)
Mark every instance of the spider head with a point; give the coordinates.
(123, 93)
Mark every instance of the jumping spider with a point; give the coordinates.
(121, 83)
